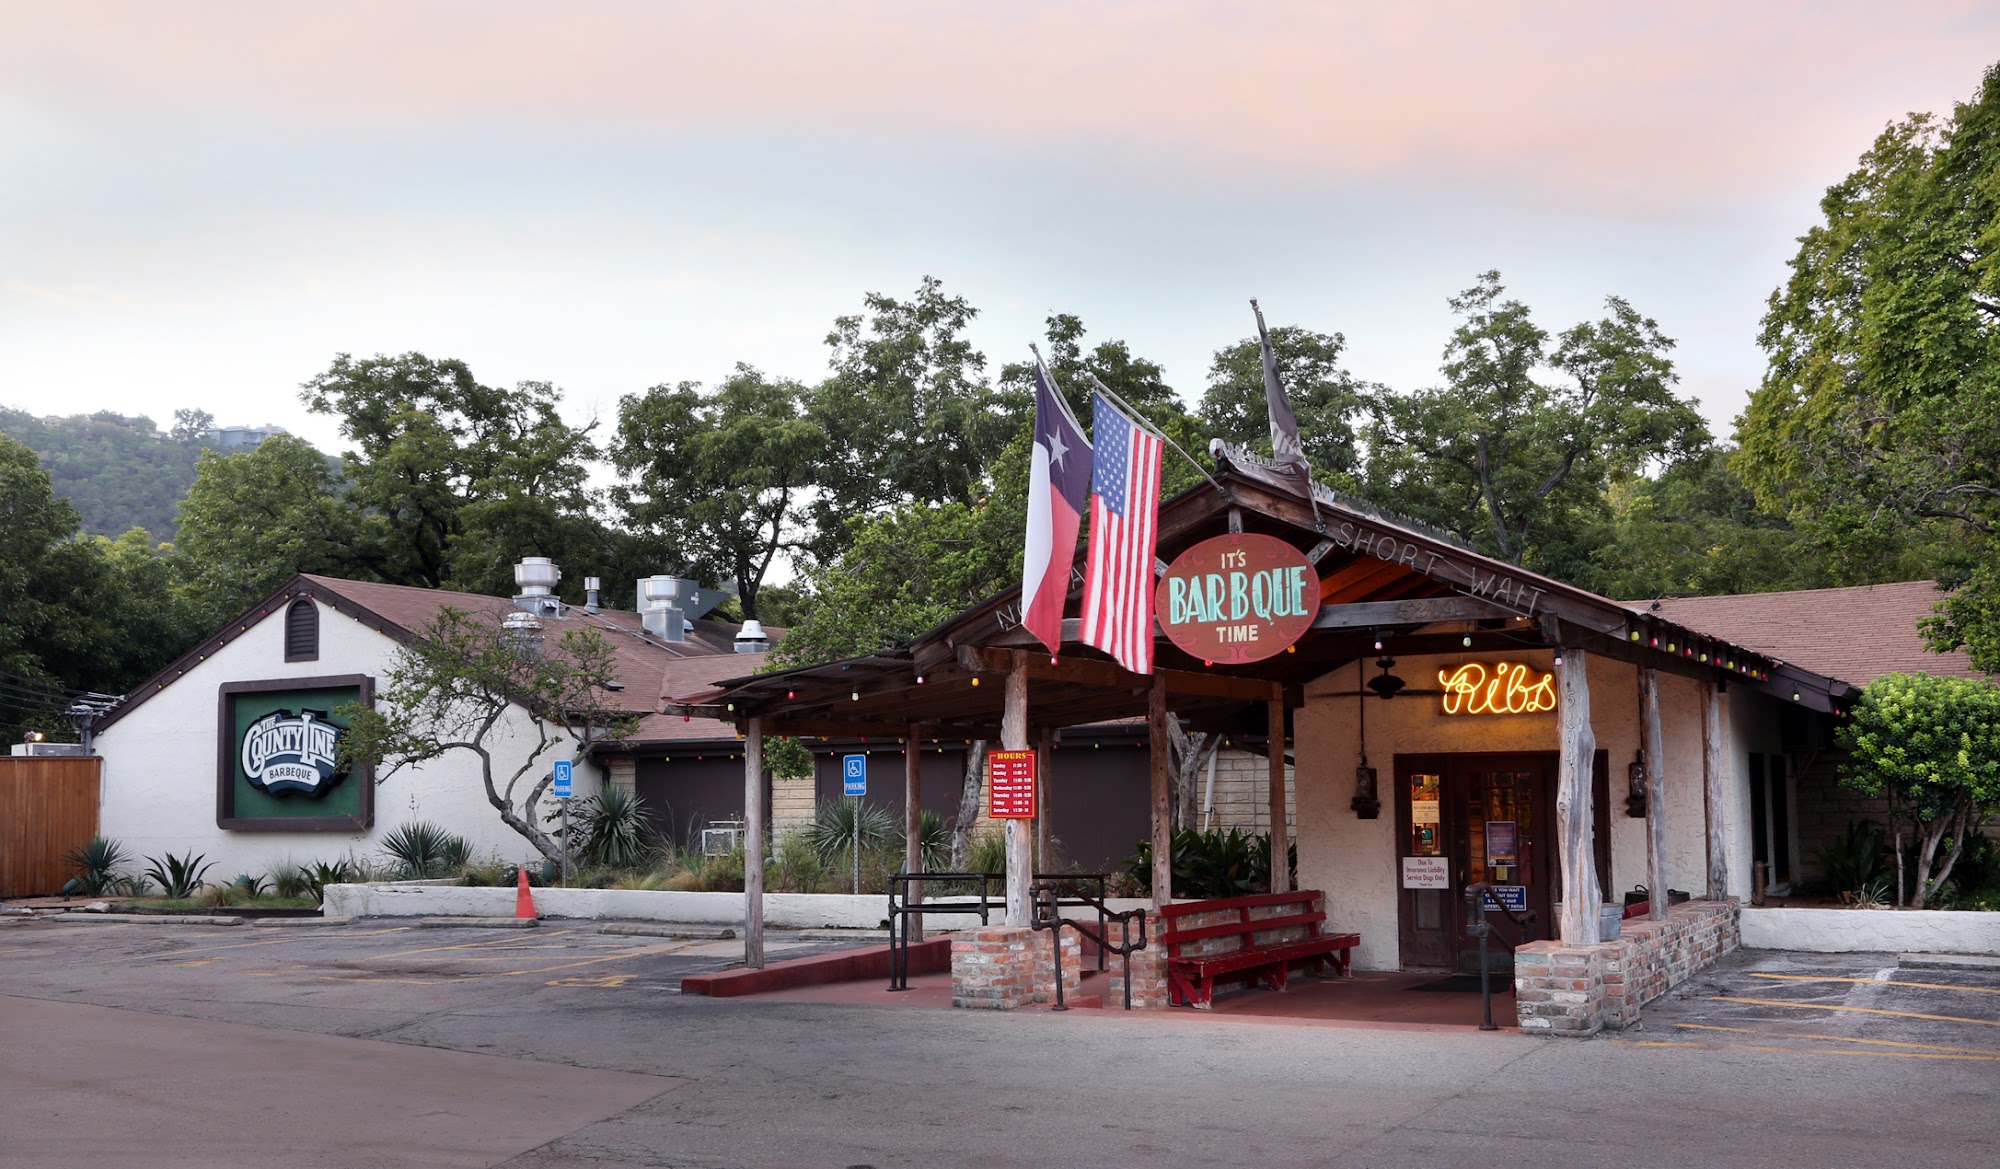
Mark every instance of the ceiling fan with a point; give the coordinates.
(1383, 685)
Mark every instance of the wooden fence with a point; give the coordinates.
(48, 806)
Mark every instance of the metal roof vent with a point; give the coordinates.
(536, 577)
(659, 607)
(751, 639)
(523, 632)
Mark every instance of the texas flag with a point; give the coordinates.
(1058, 482)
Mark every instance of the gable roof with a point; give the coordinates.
(1855, 634)
(643, 665)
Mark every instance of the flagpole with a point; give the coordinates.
(1264, 339)
(1147, 424)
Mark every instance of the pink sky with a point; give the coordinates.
(204, 202)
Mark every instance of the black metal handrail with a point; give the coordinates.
(988, 895)
(1047, 901)
(1478, 896)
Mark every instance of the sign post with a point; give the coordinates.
(565, 773)
(854, 783)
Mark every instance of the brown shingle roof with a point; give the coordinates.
(1854, 634)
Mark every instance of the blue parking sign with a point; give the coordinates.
(854, 775)
(564, 771)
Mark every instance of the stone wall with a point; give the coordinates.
(793, 804)
(1578, 991)
(993, 967)
(1243, 794)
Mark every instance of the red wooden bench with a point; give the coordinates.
(1257, 950)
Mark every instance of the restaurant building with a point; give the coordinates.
(1451, 720)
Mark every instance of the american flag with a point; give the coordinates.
(1124, 527)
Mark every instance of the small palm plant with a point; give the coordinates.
(831, 832)
(97, 862)
(178, 876)
(612, 828)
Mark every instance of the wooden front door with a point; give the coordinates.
(1467, 818)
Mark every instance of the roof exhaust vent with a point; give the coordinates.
(536, 577)
(751, 639)
(523, 634)
(591, 587)
(659, 607)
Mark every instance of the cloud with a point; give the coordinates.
(1642, 101)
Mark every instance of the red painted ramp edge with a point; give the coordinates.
(931, 956)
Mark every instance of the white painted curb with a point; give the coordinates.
(1852, 931)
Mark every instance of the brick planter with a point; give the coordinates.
(1578, 991)
(1041, 950)
(1149, 980)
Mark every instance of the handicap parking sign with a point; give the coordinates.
(854, 775)
(564, 770)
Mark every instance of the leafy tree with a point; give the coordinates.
(1931, 746)
(1878, 421)
(457, 479)
(451, 689)
(1512, 460)
(727, 479)
(256, 517)
(1326, 398)
(191, 426)
(909, 401)
(1694, 529)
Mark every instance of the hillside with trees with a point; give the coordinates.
(118, 473)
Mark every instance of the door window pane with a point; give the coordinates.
(1426, 805)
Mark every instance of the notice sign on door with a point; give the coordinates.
(1502, 843)
(1010, 785)
(1426, 872)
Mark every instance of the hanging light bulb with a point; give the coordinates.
(1559, 660)
(790, 694)
(1378, 645)
(920, 679)
(975, 681)
(1466, 641)
(854, 696)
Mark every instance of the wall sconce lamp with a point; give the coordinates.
(1635, 778)
(1365, 803)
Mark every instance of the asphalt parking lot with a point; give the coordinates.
(1836, 1006)
(380, 1043)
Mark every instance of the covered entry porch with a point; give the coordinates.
(1410, 633)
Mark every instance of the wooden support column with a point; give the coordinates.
(1020, 845)
(1715, 790)
(1163, 827)
(1281, 840)
(753, 845)
(1656, 793)
(1045, 751)
(1575, 825)
(913, 818)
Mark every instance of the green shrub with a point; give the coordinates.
(1211, 864)
(98, 864)
(723, 874)
(831, 832)
(1856, 859)
(289, 881)
(320, 874)
(799, 868)
(179, 875)
(611, 828)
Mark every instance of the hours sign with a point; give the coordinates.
(1238, 598)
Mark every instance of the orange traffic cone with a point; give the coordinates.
(524, 901)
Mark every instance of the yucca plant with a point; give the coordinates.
(424, 849)
(831, 832)
(97, 863)
(289, 881)
(933, 841)
(178, 876)
(612, 828)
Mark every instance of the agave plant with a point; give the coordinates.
(289, 880)
(97, 863)
(178, 876)
(424, 849)
(318, 875)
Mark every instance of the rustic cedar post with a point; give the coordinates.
(753, 845)
(1281, 841)
(1574, 825)
(913, 819)
(1715, 796)
(1656, 794)
(1163, 829)
(1044, 829)
(1020, 848)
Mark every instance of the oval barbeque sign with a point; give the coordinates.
(1238, 598)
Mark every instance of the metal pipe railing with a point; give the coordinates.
(1478, 896)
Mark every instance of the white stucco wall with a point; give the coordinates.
(160, 763)
(1354, 860)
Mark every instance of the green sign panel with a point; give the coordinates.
(278, 756)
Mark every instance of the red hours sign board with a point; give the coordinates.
(1238, 598)
(1010, 786)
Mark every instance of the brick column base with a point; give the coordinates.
(993, 967)
(1149, 980)
(1042, 951)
